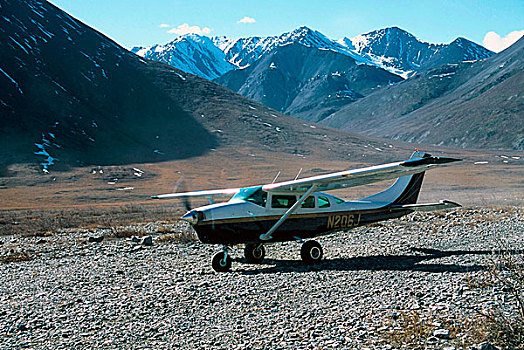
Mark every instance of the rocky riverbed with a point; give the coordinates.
(420, 281)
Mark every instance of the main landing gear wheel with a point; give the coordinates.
(311, 252)
(221, 262)
(254, 253)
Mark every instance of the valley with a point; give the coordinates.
(90, 130)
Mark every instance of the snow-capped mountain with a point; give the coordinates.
(191, 53)
(393, 49)
(212, 57)
(245, 51)
(396, 49)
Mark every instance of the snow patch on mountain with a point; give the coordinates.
(42, 151)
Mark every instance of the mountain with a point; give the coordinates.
(191, 53)
(245, 51)
(210, 58)
(321, 75)
(304, 81)
(396, 49)
(469, 104)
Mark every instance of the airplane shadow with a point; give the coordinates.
(379, 262)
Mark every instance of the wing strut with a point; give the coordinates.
(267, 236)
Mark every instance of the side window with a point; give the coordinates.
(309, 202)
(338, 200)
(323, 202)
(282, 201)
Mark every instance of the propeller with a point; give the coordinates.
(180, 184)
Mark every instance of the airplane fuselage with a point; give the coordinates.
(239, 221)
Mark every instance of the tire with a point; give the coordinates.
(219, 264)
(311, 252)
(254, 253)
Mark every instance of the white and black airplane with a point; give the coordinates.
(297, 210)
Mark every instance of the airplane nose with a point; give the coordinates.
(192, 216)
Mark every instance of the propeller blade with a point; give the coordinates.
(187, 204)
(181, 184)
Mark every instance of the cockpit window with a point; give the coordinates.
(323, 202)
(309, 202)
(258, 198)
(254, 195)
(282, 201)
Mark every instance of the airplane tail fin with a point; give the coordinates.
(411, 191)
(405, 190)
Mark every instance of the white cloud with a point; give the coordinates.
(187, 29)
(163, 25)
(494, 42)
(246, 19)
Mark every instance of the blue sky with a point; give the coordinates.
(137, 22)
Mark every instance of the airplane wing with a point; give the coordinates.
(418, 163)
(358, 177)
(205, 193)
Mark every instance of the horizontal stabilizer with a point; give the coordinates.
(443, 204)
(429, 160)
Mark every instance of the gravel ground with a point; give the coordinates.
(404, 283)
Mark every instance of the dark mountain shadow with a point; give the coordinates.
(381, 263)
(70, 93)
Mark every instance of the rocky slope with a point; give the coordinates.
(471, 104)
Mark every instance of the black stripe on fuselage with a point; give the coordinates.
(247, 230)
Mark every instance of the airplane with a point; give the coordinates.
(298, 210)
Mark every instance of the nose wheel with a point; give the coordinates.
(221, 261)
(311, 252)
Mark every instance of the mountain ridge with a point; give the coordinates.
(368, 48)
(471, 104)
